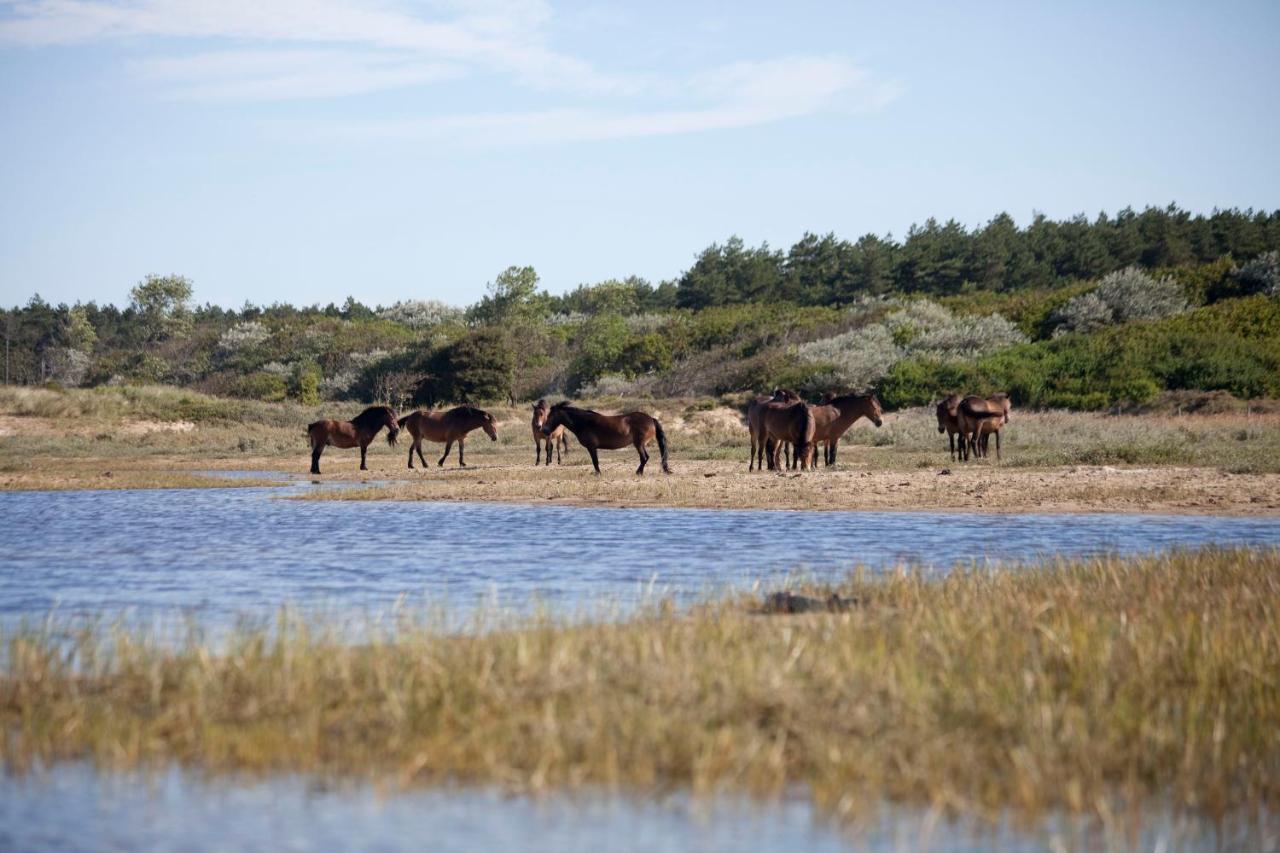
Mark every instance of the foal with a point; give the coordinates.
(557, 437)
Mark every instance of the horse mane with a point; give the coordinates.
(374, 416)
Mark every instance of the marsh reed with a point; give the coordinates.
(1066, 686)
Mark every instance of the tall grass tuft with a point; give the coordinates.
(1080, 686)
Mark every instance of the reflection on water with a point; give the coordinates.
(220, 553)
(73, 807)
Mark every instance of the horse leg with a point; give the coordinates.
(364, 446)
(461, 443)
(548, 453)
(315, 458)
(951, 440)
(997, 446)
(644, 457)
(418, 444)
(595, 460)
(411, 455)
(448, 445)
(537, 452)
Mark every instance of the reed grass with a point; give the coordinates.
(1079, 686)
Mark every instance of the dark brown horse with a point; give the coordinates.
(448, 427)
(755, 425)
(595, 431)
(788, 422)
(949, 422)
(557, 437)
(979, 418)
(357, 432)
(835, 415)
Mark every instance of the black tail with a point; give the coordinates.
(662, 445)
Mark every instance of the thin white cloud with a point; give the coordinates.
(247, 75)
(736, 96)
(300, 49)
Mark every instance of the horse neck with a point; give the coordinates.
(851, 408)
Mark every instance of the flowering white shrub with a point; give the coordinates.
(1085, 313)
(859, 357)
(918, 318)
(1131, 294)
(421, 313)
(1121, 296)
(965, 337)
(1261, 275)
(609, 385)
(243, 336)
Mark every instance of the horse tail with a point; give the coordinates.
(662, 444)
(311, 434)
(805, 441)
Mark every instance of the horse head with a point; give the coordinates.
(489, 427)
(558, 416)
(874, 412)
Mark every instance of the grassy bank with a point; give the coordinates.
(1083, 686)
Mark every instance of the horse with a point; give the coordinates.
(595, 431)
(755, 425)
(359, 431)
(949, 421)
(980, 417)
(788, 422)
(834, 417)
(557, 437)
(448, 427)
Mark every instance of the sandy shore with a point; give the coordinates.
(495, 474)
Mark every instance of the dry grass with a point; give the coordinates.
(1077, 686)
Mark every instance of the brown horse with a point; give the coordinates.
(755, 425)
(595, 431)
(358, 431)
(834, 417)
(557, 437)
(949, 421)
(448, 427)
(788, 422)
(979, 418)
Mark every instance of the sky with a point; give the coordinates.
(304, 150)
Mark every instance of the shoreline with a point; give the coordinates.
(981, 488)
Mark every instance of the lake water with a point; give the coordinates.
(72, 807)
(220, 554)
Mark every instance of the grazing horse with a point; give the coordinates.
(358, 431)
(557, 437)
(949, 421)
(448, 427)
(834, 417)
(980, 417)
(788, 422)
(595, 431)
(755, 424)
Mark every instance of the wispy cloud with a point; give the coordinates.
(307, 49)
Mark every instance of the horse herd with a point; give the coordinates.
(779, 423)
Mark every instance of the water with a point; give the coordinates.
(72, 807)
(223, 553)
(220, 554)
